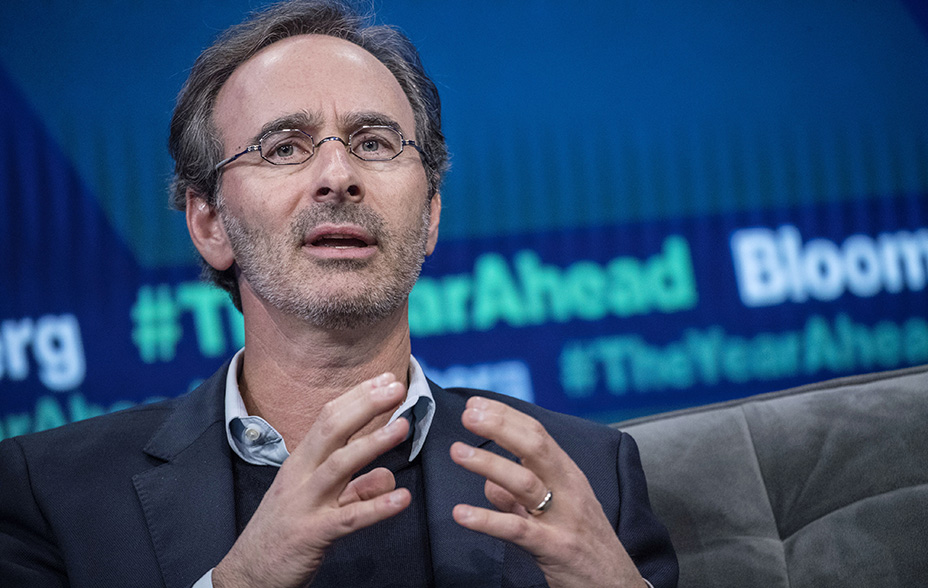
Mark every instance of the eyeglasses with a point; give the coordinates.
(293, 146)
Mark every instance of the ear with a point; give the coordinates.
(434, 218)
(206, 231)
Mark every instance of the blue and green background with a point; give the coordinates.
(607, 156)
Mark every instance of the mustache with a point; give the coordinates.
(337, 213)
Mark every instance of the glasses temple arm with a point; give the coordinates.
(229, 160)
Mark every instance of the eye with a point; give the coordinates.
(286, 147)
(371, 146)
(376, 143)
(285, 150)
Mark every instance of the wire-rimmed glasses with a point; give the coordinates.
(293, 146)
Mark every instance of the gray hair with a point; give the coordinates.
(194, 142)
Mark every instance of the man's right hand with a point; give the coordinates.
(313, 500)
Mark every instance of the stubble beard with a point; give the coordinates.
(278, 272)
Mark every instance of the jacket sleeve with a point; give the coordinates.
(644, 537)
(29, 556)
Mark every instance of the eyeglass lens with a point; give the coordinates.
(292, 147)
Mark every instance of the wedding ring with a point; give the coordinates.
(544, 505)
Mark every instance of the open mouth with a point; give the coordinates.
(331, 240)
(338, 242)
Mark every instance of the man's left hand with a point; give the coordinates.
(572, 540)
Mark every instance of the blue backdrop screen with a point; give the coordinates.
(652, 205)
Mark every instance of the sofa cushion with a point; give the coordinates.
(822, 485)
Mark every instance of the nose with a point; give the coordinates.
(336, 175)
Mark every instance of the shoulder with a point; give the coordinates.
(99, 438)
(72, 471)
(118, 438)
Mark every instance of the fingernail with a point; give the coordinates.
(465, 513)
(389, 430)
(383, 379)
(395, 498)
(475, 414)
(463, 451)
(386, 390)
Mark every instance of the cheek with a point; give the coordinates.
(255, 202)
(405, 214)
(405, 198)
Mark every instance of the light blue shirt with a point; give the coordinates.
(254, 440)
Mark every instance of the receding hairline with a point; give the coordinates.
(311, 118)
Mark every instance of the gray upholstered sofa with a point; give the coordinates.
(820, 486)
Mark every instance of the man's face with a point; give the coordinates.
(336, 241)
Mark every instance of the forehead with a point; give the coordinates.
(325, 77)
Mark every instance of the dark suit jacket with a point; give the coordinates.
(144, 497)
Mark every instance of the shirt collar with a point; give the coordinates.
(257, 442)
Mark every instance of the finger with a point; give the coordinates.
(370, 485)
(520, 434)
(522, 531)
(358, 515)
(502, 499)
(342, 418)
(519, 481)
(581, 558)
(334, 474)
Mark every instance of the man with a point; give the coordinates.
(309, 154)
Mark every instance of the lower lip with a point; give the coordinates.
(341, 252)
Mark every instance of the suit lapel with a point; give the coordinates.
(459, 557)
(188, 500)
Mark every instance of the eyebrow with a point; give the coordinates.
(306, 121)
(354, 120)
(296, 120)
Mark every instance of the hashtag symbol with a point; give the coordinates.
(157, 325)
(578, 371)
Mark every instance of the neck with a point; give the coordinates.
(291, 370)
